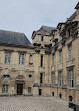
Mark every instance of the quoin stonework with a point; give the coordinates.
(47, 67)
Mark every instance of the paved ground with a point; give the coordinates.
(32, 104)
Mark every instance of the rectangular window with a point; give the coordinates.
(60, 79)
(42, 38)
(31, 60)
(5, 89)
(60, 57)
(41, 78)
(53, 79)
(53, 59)
(7, 57)
(70, 51)
(41, 61)
(21, 58)
(29, 89)
(71, 80)
(60, 38)
(69, 32)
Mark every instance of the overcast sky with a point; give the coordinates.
(29, 15)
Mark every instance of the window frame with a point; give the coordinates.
(71, 78)
(5, 88)
(60, 56)
(54, 59)
(6, 77)
(53, 79)
(41, 61)
(21, 58)
(7, 57)
(29, 90)
(70, 51)
(60, 78)
(42, 38)
(41, 78)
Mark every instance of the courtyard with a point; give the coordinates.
(25, 103)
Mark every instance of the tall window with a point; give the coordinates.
(5, 89)
(21, 58)
(60, 79)
(41, 78)
(70, 51)
(31, 60)
(42, 38)
(60, 57)
(53, 59)
(41, 61)
(53, 79)
(7, 57)
(71, 79)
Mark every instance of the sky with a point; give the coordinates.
(27, 16)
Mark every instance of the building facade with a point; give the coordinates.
(48, 67)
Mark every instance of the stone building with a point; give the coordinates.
(48, 67)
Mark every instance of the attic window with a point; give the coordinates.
(42, 38)
(69, 32)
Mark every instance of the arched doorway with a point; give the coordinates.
(20, 82)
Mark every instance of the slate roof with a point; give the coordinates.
(14, 38)
(47, 29)
(72, 16)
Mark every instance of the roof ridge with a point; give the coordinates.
(47, 26)
(12, 31)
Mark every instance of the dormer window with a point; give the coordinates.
(42, 38)
(69, 32)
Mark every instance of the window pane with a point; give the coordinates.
(7, 57)
(6, 77)
(70, 52)
(21, 59)
(5, 89)
(53, 79)
(53, 59)
(60, 79)
(60, 56)
(29, 89)
(71, 80)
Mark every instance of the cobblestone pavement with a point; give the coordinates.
(20, 103)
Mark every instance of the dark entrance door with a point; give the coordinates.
(19, 89)
(40, 91)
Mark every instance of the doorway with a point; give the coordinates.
(40, 92)
(19, 89)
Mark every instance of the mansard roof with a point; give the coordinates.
(14, 38)
(72, 16)
(47, 29)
